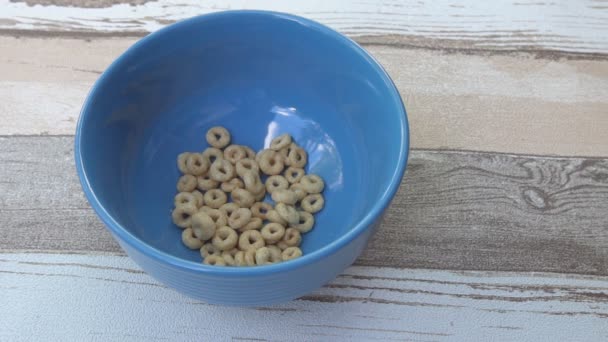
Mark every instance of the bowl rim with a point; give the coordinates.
(186, 265)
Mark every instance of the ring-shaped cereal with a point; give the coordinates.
(182, 215)
(260, 209)
(250, 152)
(253, 183)
(273, 216)
(239, 259)
(186, 183)
(181, 162)
(251, 239)
(214, 260)
(312, 203)
(287, 213)
(209, 249)
(239, 218)
(232, 184)
(254, 223)
(280, 142)
(262, 256)
(212, 154)
(234, 153)
(200, 200)
(250, 257)
(215, 198)
(219, 217)
(197, 164)
(218, 137)
(184, 198)
(298, 189)
(260, 195)
(221, 170)
(291, 253)
(242, 197)
(272, 233)
(282, 245)
(228, 258)
(297, 157)
(203, 226)
(275, 253)
(292, 237)
(306, 222)
(225, 238)
(284, 196)
(228, 208)
(190, 240)
(246, 165)
(294, 174)
(276, 182)
(205, 183)
(312, 184)
(271, 162)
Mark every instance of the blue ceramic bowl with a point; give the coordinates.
(259, 74)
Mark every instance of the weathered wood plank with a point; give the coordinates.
(454, 101)
(455, 210)
(66, 298)
(462, 24)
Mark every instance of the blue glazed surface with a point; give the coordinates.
(259, 74)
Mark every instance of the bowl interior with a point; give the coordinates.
(259, 75)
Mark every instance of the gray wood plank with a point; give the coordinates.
(455, 210)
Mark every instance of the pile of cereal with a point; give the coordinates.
(246, 231)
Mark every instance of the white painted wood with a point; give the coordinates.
(102, 297)
(564, 25)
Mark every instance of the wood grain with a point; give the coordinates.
(512, 103)
(455, 210)
(573, 26)
(73, 298)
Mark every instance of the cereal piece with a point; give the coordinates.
(239, 259)
(298, 189)
(254, 223)
(271, 162)
(212, 154)
(287, 213)
(291, 253)
(253, 183)
(292, 237)
(297, 157)
(205, 183)
(228, 208)
(186, 183)
(225, 238)
(203, 226)
(282, 245)
(197, 164)
(200, 200)
(239, 218)
(234, 153)
(190, 240)
(183, 198)
(214, 260)
(275, 183)
(294, 174)
(215, 198)
(250, 257)
(251, 239)
(272, 233)
(181, 162)
(280, 142)
(260, 196)
(275, 252)
(209, 249)
(312, 203)
(284, 152)
(228, 258)
(218, 137)
(284, 196)
(268, 255)
(246, 165)
(233, 251)
(305, 223)
(259, 209)
(273, 216)
(221, 170)
(219, 217)
(182, 215)
(242, 197)
(312, 184)
(250, 152)
(232, 184)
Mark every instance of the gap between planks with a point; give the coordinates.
(454, 210)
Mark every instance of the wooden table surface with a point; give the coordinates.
(499, 231)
